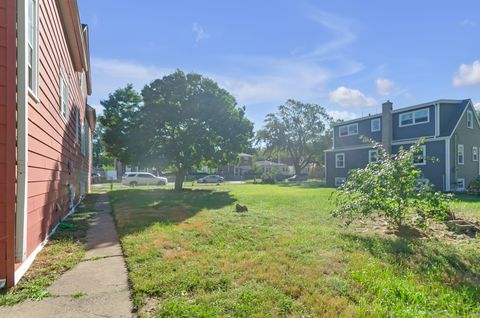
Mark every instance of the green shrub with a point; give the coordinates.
(390, 187)
(269, 177)
(474, 186)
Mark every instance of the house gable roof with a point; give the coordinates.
(460, 103)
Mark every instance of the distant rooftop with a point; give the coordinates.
(402, 109)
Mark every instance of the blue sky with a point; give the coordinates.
(348, 56)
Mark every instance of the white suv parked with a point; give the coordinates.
(142, 178)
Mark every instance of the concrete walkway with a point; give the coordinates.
(101, 278)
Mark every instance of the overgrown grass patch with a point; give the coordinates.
(190, 255)
(62, 252)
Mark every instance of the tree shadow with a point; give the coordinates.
(423, 257)
(466, 198)
(137, 209)
(305, 185)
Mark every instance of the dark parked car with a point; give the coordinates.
(211, 179)
(298, 178)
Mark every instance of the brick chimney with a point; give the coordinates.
(387, 123)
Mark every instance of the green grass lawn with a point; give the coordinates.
(190, 255)
(63, 251)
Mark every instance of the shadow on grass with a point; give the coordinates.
(466, 198)
(455, 268)
(136, 209)
(63, 251)
(307, 185)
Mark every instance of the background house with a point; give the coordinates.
(452, 136)
(240, 168)
(45, 125)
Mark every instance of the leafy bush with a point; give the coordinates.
(474, 186)
(269, 177)
(391, 188)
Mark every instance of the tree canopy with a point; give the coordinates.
(299, 129)
(118, 122)
(188, 120)
(99, 156)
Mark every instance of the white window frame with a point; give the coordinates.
(77, 126)
(83, 83)
(348, 130)
(370, 152)
(460, 146)
(339, 181)
(474, 153)
(63, 95)
(469, 119)
(372, 129)
(424, 156)
(83, 139)
(414, 117)
(336, 160)
(32, 48)
(462, 180)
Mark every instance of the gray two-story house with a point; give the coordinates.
(451, 130)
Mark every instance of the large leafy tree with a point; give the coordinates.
(99, 156)
(118, 122)
(299, 129)
(188, 120)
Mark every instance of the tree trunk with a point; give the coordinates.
(298, 169)
(179, 178)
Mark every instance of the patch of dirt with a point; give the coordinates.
(437, 230)
(199, 225)
(177, 253)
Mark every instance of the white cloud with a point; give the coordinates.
(348, 97)
(253, 80)
(477, 106)
(340, 27)
(467, 23)
(468, 74)
(384, 86)
(342, 114)
(110, 74)
(200, 33)
(302, 75)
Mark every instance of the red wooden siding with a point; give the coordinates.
(7, 137)
(51, 139)
(3, 137)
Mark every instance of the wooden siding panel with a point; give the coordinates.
(3, 138)
(8, 99)
(3, 95)
(51, 137)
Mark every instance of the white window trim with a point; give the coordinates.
(348, 130)
(64, 84)
(462, 188)
(413, 117)
(336, 160)
(379, 125)
(339, 181)
(470, 122)
(370, 155)
(463, 154)
(474, 153)
(424, 155)
(77, 126)
(82, 139)
(33, 91)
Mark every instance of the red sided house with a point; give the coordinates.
(45, 125)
